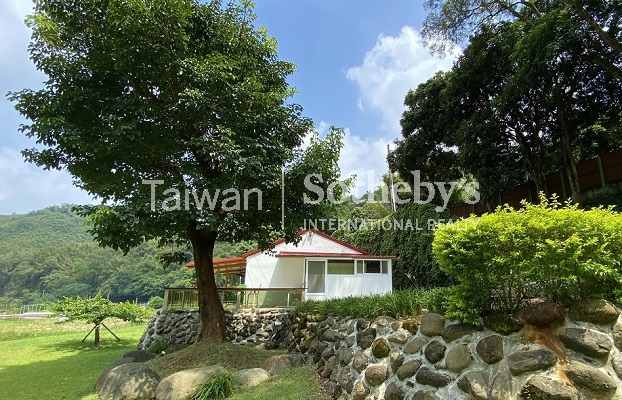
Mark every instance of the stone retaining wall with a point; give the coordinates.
(544, 355)
(243, 326)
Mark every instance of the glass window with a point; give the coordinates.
(385, 266)
(315, 272)
(360, 266)
(372, 266)
(341, 267)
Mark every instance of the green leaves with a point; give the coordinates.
(96, 309)
(505, 258)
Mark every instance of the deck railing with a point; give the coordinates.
(235, 298)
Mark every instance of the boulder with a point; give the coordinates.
(458, 358)
(366, 337)
(589, 377)
(546, 388)
(345, 355)
(501, 386)
(543, 314)
(425, 395)
(530, 360)
(435, 351)
(380, 348)
(182, 385)
(396, 358)
(502, 323)
(617, 335)
(251, 377)
(456, 331)
(490, 349)
(376, 374)
(432, 324)
(104, 374)
(587, 341)
(595, 311)
(400, 336)
(428, 376)
(394, 392)
(140, 355)
(408, 369)
(359, 390)
(360, 361)
(132, 380)
(616, 364)
(331, 336)
(411, 325)
(414, 345)
(280, 363)
(474, 383)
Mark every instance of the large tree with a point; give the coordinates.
(153, 104)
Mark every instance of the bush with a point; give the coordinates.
(404, 303)
(155, 302)
(503, 259)
(415, 266)
(219, 386)
(158, 346)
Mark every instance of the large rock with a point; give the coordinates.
(543, 314)
(104, 374)
(587, 341)
(501, 386)
(425, 395)
(428, 376)
(396, 359)
(414, 345)
(490, 349)
(380, 348)
(345, 355)
(251, 377)
(545, 388)
(366, 337)
(616, 363)
(360, 361)
(400, 336)
(139, 355)
(408, 369)
(331, 336)
(182, 385)
(376, 374)
(435, 351)
(279, 363)
(458, 358)
(502, 323)
(456, 331)
(617, 335)
(474, 383)
(530, 360)
(394, 392)
(411, 325)
(359, 390)
(589, 377)
(595, 311)
(133, 381)
(432, 324)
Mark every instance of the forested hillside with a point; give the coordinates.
(48, 254)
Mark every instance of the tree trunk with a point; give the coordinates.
(211, 311)
(96, 345)
(566, 144)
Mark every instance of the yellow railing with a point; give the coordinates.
(235, 298)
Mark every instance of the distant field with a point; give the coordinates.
(46, 360)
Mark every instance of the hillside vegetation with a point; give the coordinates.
(48, 254)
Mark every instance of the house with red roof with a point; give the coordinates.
(322, 266)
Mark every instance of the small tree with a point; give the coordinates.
(96, 309)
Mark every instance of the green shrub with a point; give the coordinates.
(503, 259)
(415, 266)
(219, 386)
(155, 302)
(403, 303)
(158, 346)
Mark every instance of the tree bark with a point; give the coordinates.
(96, 345)
(566, 143)
(211, 311)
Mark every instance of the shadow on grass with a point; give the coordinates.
(63, 369)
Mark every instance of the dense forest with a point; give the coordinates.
(48, 254)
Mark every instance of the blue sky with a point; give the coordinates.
(356, 61)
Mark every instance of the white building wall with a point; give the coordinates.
(357, 285)
(314, 243)
(267, 271)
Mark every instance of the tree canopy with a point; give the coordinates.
(153, 105)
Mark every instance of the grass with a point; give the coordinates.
(46, 360)
(399, 304)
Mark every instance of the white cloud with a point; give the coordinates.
(26, 187)
(392, 67)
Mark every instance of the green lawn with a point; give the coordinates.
(46, 360)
